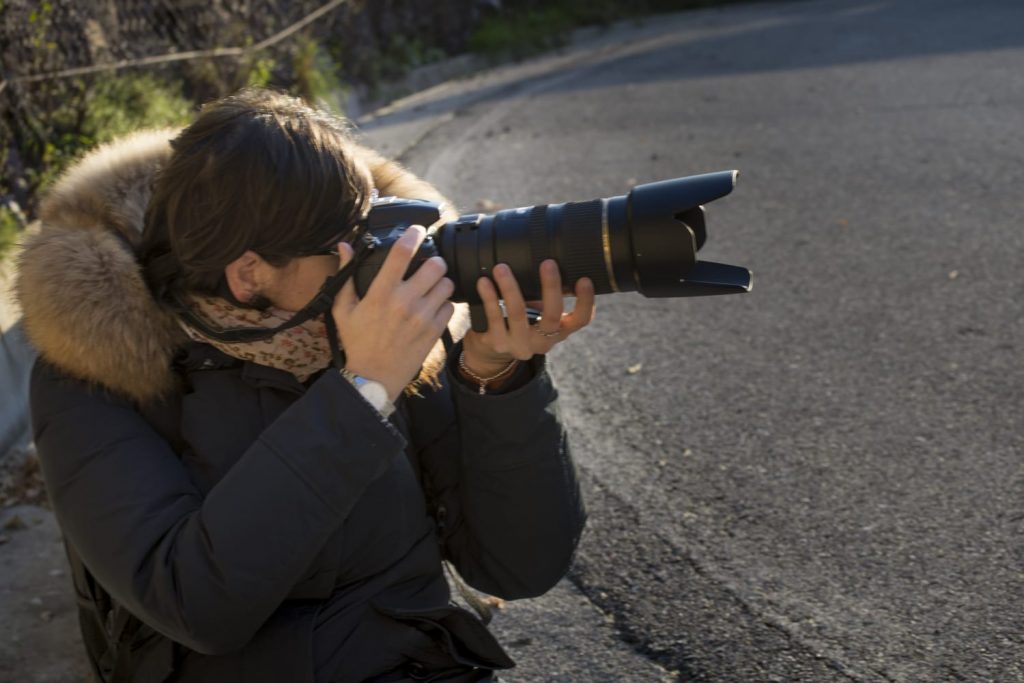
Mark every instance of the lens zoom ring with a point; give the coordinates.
(539, 248)
(582, 251)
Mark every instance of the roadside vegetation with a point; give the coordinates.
(527, 27)
(10, 226)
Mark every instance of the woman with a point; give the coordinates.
(246, 511)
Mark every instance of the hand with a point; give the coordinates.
(388, 333)
(488, 352)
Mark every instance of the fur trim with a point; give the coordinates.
(110, 187)
(85, 305)
(88, 311)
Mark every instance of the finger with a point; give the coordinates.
(426, 276)
(347, 298)
(551, 293)
(515, 307)
(438, 294)
(395, 265)
(444, 316)
(583, 312)
(495, 320)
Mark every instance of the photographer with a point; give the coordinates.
(246, 511)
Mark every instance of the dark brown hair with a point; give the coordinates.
(257, 170)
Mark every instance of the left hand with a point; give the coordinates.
(488, 352)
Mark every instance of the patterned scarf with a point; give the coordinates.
(302, 350)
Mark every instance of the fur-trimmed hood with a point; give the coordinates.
(85, 305)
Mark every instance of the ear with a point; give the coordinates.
(244, 275)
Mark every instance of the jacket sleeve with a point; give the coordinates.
(206, 572)
(512, 521)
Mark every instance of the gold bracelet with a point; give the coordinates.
(482, 381)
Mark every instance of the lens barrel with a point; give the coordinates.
(645, 241)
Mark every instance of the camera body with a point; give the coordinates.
(387, 219)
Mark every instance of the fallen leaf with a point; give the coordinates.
(14, 523)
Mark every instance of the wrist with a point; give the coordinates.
(484, 382)
(376, 393)
(482, 362)
(484, 368)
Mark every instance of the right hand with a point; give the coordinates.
(388, 333)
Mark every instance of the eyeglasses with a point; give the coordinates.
(331, 248)
(324, 251)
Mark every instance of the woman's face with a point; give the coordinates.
(289, 287)
(295, 284)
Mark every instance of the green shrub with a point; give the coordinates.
(9, 230)
(317, 74)
(261, 70)
(527, 27)
(521, 35)
(127, 102)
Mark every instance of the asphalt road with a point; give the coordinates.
(822, 480)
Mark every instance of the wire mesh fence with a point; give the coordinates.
(73, 74)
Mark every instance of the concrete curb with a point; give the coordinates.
(16, 358)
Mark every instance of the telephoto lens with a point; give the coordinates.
(645, 241)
